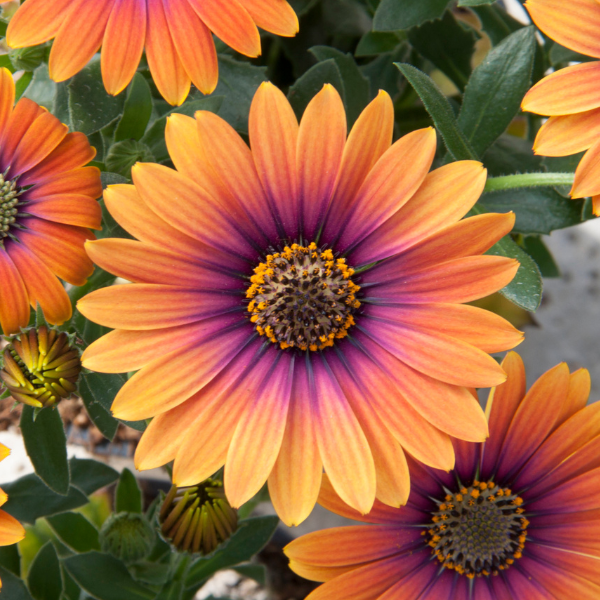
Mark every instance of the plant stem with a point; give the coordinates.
(525, 180)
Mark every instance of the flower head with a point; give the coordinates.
(47, 208)
(517, 517)
(40, 367)
(298, 305)
(11, 531)
(570, 96)
(127, 536)
(176, 35)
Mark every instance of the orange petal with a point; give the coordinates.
(264, 417)
(313, 573)
(36, 22)
(219, 409)
(414, 584)
(369, 138)
(11, 531)
(580, 386)
(574, 25)
(123, 44)
(43, 287)
(70, 209)
(189, 208)
(73, 152)
(295, 480)
(530, 426)
(596, 205)
(84, 181)
(344, 449)
(587, 176)
(231, 23)
(565, 92)
(166, 67)
(276, 16)
(569, 134)
(480, 328)
(170, 380)
(21, 119)
(501, 407)
(59, 247)
(7, 98)
(273, 130)
(79, 37)
(141, 306)
(14, 303)
(445, 196)
(389, 185)
(194, 45)
(4, 452)
(319, 156)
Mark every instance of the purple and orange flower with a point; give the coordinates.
(516, 518)
(571, 96)
(300, 305)
(47, 208)
(176, 34)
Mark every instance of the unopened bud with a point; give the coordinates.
(40, 367)
(198, 518)
(127, 536)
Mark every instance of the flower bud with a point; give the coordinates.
(40, 366)
(27, 59)
(197, 519)
(127, 536)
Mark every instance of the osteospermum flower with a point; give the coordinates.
(11, 531)
(47, 207)
(298, 305)
(517, 518)
(176, 35)
(570, 96)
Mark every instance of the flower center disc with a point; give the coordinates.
(303, 297)
(479, 531)
(9, 199)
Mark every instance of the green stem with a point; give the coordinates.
(524, 180)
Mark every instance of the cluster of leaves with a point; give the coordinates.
(422, 53)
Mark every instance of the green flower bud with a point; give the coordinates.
(27, 59)
(198, 518)
(40, 366)
(127, 536)
(123, 155)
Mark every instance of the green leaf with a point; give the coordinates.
(559, 55)
(101, 417)
(91, 108)
(10, 559)
(137, 110)
(404, 14)
(123, 155)
(525, 290)
(537, 210)
(509, 155)
(379, 42)
(150, 572)
(128, 497)
(172, 591)
(154, 138)
(448, 44)
(355, 84)
(440, 111)
(496, 22)
(475, 2)
(23, 84)
(104, 577)
(311, 83)
(256, 572)
(494, 92)
(250, 538)
(30, 498)
(90, 475)
(75, 531)
(42, 90)
(46, 445)
(535, 247)
(44, 577)
(13, 587)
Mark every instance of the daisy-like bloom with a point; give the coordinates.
(176, 34)
(298, 305)
(47, 208)
(570, 96)
(518, 517)
(11, 531)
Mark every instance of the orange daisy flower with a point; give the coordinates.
(298, 305)
(571, 96)
(11, 531)
(517, 518)
(47, 207)
(176, 34)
